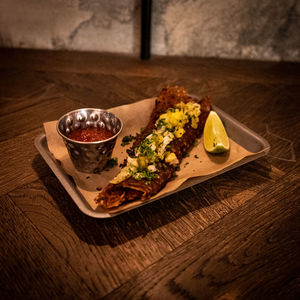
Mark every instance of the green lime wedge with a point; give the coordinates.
(215, 136)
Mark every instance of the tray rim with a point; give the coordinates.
(83, 205)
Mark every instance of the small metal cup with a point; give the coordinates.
(89, 157)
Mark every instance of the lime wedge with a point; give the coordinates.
(215, 136)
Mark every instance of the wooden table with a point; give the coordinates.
(235, 236)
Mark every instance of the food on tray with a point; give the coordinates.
(215, 137)
(90, 134)
(175, 123)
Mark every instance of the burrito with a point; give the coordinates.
(175, 123)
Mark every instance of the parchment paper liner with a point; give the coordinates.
(134, 117)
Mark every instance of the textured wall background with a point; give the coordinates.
(256, 29)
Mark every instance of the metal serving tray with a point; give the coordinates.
(241, 134)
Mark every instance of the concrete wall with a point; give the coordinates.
(255, 29)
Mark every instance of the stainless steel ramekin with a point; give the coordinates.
(89, 157)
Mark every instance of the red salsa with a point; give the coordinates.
(92, 134)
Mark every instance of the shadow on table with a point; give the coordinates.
(141, 221)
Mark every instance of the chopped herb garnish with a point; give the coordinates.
(97, 171)
(178, 168)
(123, 164)
(161, 123)
(111, 163)
(186, 155)
(127, 139)
(145, 148)
(196, 143)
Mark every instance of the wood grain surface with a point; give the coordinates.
(235, 236)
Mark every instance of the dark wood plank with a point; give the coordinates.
(30, 267)
(20, 162)
(32, 117)
(88, 62)
(250, 254)
(109, 90)
(18, 83)
(150, 86)
(27, 97)
(273, 113)
(107, 253)
(93, 90)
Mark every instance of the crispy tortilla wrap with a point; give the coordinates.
(131, 189)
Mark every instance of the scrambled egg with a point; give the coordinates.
(169, 126)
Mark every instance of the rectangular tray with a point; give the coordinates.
(241, 134)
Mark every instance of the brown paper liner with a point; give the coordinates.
(134, 117)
